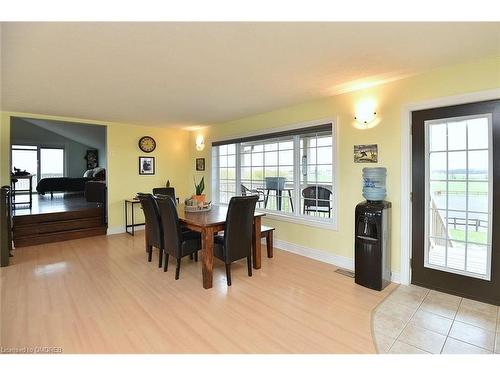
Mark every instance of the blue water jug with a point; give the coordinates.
(374, 183)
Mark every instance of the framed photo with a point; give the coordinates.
(146, 165)
(365, 153)
(92, 158)
(200, 164)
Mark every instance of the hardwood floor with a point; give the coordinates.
(100, 295)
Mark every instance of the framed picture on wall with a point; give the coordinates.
(146, 165)
(366, 153)
(92, 158)
(200, 164)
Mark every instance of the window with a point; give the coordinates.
(292, 172)
(40, 161)
(25, 158)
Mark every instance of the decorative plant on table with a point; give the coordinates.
(199, 188)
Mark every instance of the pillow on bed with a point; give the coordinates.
(89, 173)
(97, 171)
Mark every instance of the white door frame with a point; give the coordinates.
(406, 110)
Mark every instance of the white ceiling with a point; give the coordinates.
(183, 74)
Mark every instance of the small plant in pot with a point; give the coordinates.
(199, 188)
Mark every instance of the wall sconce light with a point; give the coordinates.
(365, 118)
(200, 143)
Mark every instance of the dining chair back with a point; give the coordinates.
(171, 225)
(176, 241)
(239, 227)
(170, 191)
(154, 231)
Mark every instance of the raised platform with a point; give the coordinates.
(64, 217)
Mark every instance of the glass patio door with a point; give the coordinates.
(456, 200)
(458, 195)
(51, 162)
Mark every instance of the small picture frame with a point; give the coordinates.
(366, 153)
(146, 165)
(200, 164)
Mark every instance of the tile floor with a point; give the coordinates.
(415, 320)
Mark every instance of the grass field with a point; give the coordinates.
(473, 236)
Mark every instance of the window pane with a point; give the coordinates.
(478, 165)
(456, 196)
(437, 137)
(286, 144)
(477, 228)
(271, 146)
(457, 165)
(478, 196)
(271, 158)
(477, 130)
(437, 166)
(456, 135)
(438, 194)
(324, 155)
(258, 159)
(456, 255)
(286, 157)
(477, 258)
(51, 162)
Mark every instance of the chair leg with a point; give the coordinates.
(228, 274)
(178, 268)
(150, 253)
(196, 256)
(160, 258)
(269, 244)
(191, 256)
(249, 265)
(165, 265)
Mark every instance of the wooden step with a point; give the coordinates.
(57, 216)
(57, 226)
(59, 236)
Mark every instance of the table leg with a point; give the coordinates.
(256, 243)
(291, 200)
(207, 256)
(133, 223)
(31, 195)
(278, 199)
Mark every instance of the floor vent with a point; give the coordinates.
(345, 272)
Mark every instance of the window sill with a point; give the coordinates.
(299, 220)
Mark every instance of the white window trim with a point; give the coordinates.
(308, 221)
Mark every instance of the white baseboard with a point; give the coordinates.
(121, 229)
(323, 256)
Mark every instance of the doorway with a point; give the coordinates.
(456, 200)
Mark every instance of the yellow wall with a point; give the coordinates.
(124, 180)
(389, 98)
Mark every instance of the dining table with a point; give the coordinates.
(209, 223)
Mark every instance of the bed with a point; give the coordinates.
(69, 184)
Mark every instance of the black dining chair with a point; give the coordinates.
(236, 243)
(154, 230)
(170, 191)
(176, 242)
(317, 199)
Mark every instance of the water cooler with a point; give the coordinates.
(372, 253)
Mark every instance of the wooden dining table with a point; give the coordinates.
(210, 222)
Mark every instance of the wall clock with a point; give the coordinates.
(147, 144)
